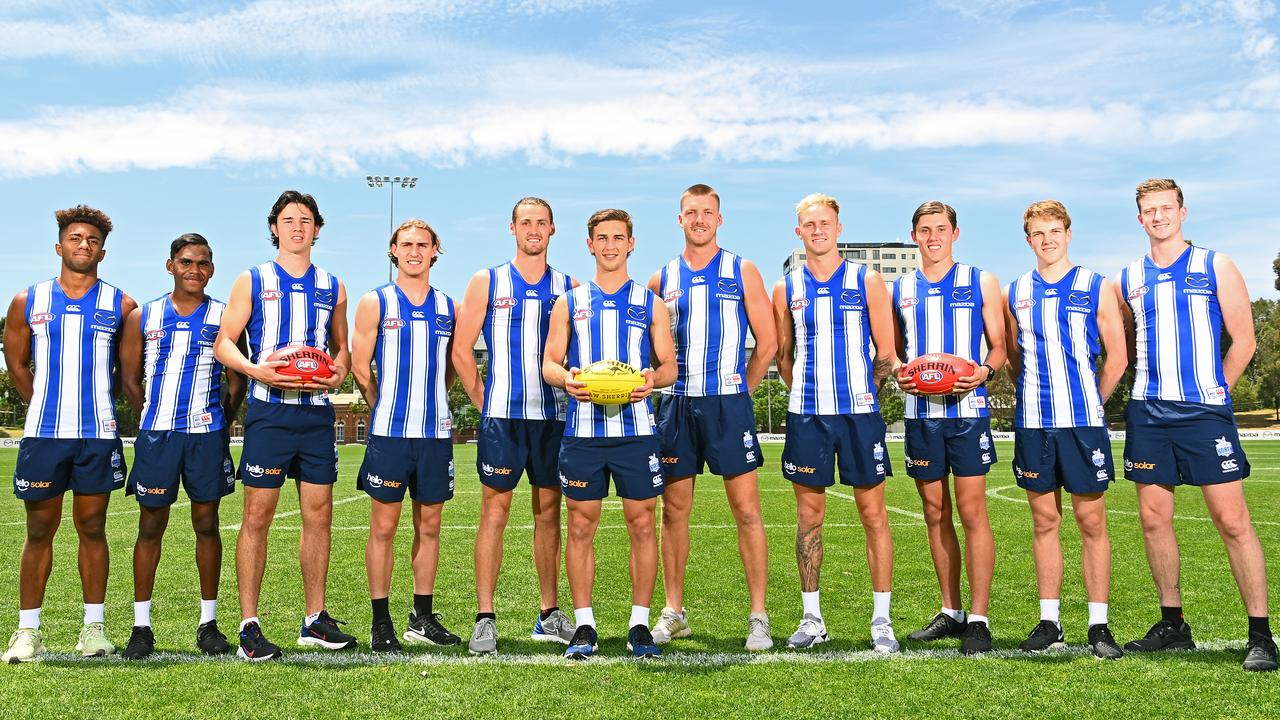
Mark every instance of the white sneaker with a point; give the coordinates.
(26, 645)
(671, 625)
(882, 638)
(759, 635)
(812, 631)
(93, 641)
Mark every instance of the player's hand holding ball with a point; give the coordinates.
(576, 388)
(940, 374)
(299, 367)
(610, 382)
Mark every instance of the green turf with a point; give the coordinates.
(706, 674)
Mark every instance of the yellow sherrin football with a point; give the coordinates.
(610, 382)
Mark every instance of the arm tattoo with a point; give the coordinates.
(880, 370)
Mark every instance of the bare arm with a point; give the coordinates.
(471, 313)
(131, 359)
(1126, 320)
(363, 342)
(127, 306)
(1111, 331)
(786, 332)
(763, 327)
(878, 308)
(553, 369)
(1014, 350)
(17, 347)
(236, 385)
(993, 327)
(1237, 318)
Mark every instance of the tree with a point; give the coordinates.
(465, 415)
(1275, 265)
(770, 404)
(893, 406)
(1263, 373)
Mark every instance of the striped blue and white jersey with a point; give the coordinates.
(515, 332)
(1178, 329)
(834, 351)
(613, 326)
(943, 317)
(183, 378)
(289, 311)
(412, 356)
(709, 325)
(73, 347)
(1058, 340)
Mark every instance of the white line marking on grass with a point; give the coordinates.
(890, 508)
(291, 513)
(67, 510)
(365, 528)
(995, 493)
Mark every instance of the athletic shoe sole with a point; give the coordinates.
(644, 656)
(240, 653)
(545, 637)
(1180, 645)
(817, 640)
(579, 655)
(413, 637)
(317, 642)
(1053, 646)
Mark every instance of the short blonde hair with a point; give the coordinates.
(700, 190)
(421, 225)
(812, 199)
(1047, 210)
(1155, 185)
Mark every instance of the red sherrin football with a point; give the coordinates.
(936, 373)
(306, 363)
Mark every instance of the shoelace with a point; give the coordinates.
(810, 627)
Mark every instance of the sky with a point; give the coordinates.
(179, 117)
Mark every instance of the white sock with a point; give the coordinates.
(812, 603)
(94, 612)
(1049, 610)
(1097, 613)
(957, 615)
(208, 610)
(639, 616)
(29, 619)
(584, 616)
(142, 613)
(306, 621)
(979, 618)
(245, 622)
(880, 605)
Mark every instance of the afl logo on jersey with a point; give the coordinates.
(672, 295)
(392, 324)
(799, 304)
(1198, 280)
(728, 286)
(271, 295)
(907, 302)
(637, 313)
(444, 323)
(1137, 292)
(582, 314)
(852, 297)
(1024, 304)
(962, 294)
(40, 318)
(503, 302)
(155, 334)
(1079, 298)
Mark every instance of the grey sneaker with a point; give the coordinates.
(812, 631)
(758, 632)
(671, 625)
(556, 628)
(484, 639)
(882, 638)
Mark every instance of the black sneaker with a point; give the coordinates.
(210, 639)
(583, 645)
(1044, 636)
(427, 630)
(254, 647)
(1164, 635)
(142, 642)
(640, 643)
(941, 626)
(1260, 655)
(383, 637)
(1103, 644)
(976, 639)
(324, 633)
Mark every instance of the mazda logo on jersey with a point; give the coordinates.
(962, 294)
(324, 296)
(392, 324)
(728, 286)
(271, 295)
(106, 318)
(799, 304)
(1198, 280)
(444, 323)
(852, 297)
(1079, 298)
(637, 313)
(504, 302)
(209, 332)
(582, 314)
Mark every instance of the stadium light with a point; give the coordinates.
(378, 182)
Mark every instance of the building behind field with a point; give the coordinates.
(891, 259)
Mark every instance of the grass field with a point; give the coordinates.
(704, 675)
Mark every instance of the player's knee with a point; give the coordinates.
(1234, 526)
(581, 527)
(974, 517)
(41, 532)
(1047, 523)
(92, 528)
(874, 519)
(1092, 527)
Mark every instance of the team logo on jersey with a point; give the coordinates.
(610, 303)
(183, 325)
(962, 294)
(325, 296)
(1197, 280)
(155, 334)
(728, 286)
(1024, 304)
(1051, 292)
(503, 302)
(851, 297)
(654, 465)
(531, 293)
(905, 303)
(877, 452)
(392, 324)
(73, 308)
(228, 471)
(799, 304)
(657, 481)
(115, 458)
(670, 295)
(271, 295)
(444, 323)
(1137, 292)
(635, 312)
(209, 333)
(824, 291)
(1164, 276)
(373, 481)
(747, 440)
(1224, 447)
(106, 318)
(40, 319)
(418, 315)
(699, 280)
(984, 442)
(1230, 465)
(751, 456)
(1098, 458)
(582, 314)
(935, 291)
(1079, 298)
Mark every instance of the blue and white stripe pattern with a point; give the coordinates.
(1178, 324)
(183, 378)
(943, 317)
(73, 347)
(612, 326)
(1058, 339)
(834, 351)
(515, 332)
(412, 357)
(709, 325)
(289, 311)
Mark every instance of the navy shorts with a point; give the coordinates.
(936, 447)
(716, 430)
(162, 458)
(48, 467)
(391, 465)
(507, 447)
(815, 442)
(1078, 459)
(288, 440)
(587, 464)
(1182, 443)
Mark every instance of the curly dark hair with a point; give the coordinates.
(84, 214)
(289, 197)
